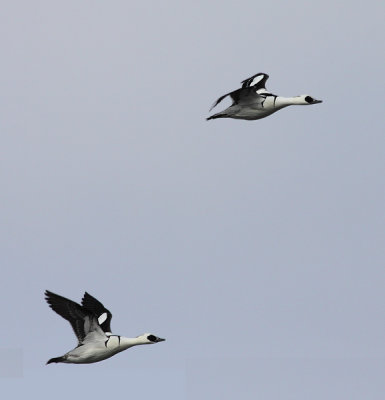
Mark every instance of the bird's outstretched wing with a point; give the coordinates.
(82, 320)
(104, 316)
(249, 92)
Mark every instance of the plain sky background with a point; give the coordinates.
(256, 248)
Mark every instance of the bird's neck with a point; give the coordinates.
(129, 342)
(281, 102)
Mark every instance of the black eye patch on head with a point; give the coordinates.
(151, 338)
(309, 99)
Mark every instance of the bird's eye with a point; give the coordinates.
(151, 338)
(309, 99)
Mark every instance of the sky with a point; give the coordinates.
(256, 248)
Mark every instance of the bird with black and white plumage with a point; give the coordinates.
(91, 324)
(252, 101)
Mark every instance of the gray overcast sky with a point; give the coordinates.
(255, 248)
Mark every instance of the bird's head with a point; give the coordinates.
(149, 338)
(305, 99)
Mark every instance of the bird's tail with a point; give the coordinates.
(56, 360)
(219, 115)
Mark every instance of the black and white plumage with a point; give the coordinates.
(91, 324)
(104, 316)
(252, 101)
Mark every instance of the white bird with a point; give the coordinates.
(91, 324)
(252, 101)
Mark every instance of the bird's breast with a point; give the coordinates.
(113, 342)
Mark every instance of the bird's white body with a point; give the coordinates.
(270, 105)
(98, 348)
(91, 324)
(253, 101)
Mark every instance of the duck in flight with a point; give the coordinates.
(252, 101)
(91, 324)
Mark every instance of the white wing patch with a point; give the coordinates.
(102, 318)
(257, 79)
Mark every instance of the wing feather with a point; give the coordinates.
(104, 316)
(258, 81)
(82, 320)
(249, 92)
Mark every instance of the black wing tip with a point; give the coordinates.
(48, 293)
(89, 296)
(52, 298)
(86, 296)
(49, 296)
(94, 305)
(59, 304)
